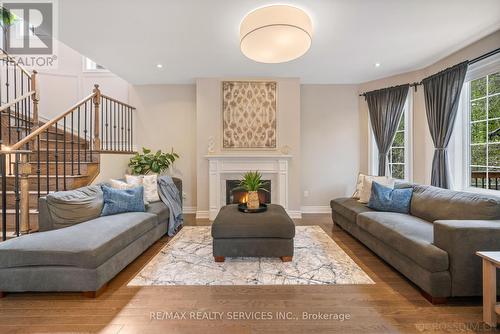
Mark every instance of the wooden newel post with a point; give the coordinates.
(24, 172)
(35, 98)
(97, 102)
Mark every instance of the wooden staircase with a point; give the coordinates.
(38, 157)
(76, 169)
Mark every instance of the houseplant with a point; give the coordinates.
(252, 182)
(149, 162)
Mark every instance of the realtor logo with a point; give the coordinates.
(29, 28)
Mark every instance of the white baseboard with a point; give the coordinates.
(201, 214)
(189, 209)
(315, 209)
(294, 214)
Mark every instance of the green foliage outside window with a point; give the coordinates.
(397, 152)
(485, 130)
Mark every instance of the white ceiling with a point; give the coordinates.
(200, 38)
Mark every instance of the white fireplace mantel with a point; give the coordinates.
(230, 164)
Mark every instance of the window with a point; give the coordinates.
(91, 66)
(399, 156)
(484, 132)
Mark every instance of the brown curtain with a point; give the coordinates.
(386, 107)
(442, 94)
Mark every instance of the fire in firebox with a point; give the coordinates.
(235, 195)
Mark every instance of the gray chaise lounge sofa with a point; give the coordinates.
(82, 257)
(435, 246)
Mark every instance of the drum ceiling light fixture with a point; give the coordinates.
(275, 34)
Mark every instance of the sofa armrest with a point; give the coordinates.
(461, 239)
(45, 222)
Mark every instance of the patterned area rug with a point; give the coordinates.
(187, 260)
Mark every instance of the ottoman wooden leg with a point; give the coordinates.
(219, 258)
(286, 258)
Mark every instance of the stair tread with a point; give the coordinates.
(60, 150)
(31, 192)
(11, 211)
(62, 141)
(60, 162)
(60, 175)
(50, 129)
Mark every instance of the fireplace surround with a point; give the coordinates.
(223, 167)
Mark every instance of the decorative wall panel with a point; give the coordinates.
(249, 114)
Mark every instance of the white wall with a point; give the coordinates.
(208, 123)
(166, 118)
(112, 166)
(330, 143)
(63, 86)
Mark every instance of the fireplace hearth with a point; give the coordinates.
(236, 195)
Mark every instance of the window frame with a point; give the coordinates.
(476, 71)
(373, 150)
(88, 70)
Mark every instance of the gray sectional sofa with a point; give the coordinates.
(80, 257)
(434, 246)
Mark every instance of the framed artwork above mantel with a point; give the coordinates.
(249, 115)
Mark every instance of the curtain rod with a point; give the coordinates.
(475, 60)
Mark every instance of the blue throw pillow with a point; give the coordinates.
(387, 199)
(119, 201)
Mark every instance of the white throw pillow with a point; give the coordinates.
(359, 185)
(366, 189)
(150, 185)
(117, 184)
(134, 179)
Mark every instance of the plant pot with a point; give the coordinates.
(253, 200)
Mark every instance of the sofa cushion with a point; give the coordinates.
(348, 207)
(432, 203)
(159, 209)
(360, 185)
(408, 235)
(366, 190)
(75, 206)
(119, 184)
(85, 245)
(121, 201)
(391, 200)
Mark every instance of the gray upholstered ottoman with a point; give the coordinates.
(265, 234)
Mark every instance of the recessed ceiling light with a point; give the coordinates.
(377, 64)
(159, 65)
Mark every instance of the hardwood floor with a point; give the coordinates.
(392, 305)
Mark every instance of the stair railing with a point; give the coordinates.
(58, 148)
(18, 100)
(20, 185)
(117, 125)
